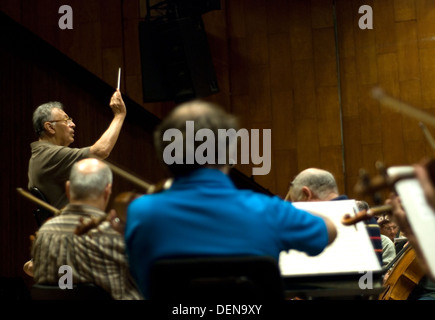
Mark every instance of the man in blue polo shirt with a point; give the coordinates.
(203, 213)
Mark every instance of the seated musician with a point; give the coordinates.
(52, 158)
(95, 257)
(315, 184)
(203, 213)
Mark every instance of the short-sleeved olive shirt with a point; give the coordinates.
(49, 169)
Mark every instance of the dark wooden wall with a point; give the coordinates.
(306, 70)
(301, 68)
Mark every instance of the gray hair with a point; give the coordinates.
(89, 185)
(362, 205)
(320, 182)
(42, 114)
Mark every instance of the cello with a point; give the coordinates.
(403, 277)
(405, 272)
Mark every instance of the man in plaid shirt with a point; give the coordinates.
(95, 257)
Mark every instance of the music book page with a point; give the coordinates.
(351, 252)
(420, 215)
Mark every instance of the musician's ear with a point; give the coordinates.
(67, 190)
(307, 194)
(108, 191)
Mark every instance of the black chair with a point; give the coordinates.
(211, 279)
(82, 291)
(41, 214)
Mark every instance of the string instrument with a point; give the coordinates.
(371, 186)
(404, 272)
(403, 277)
(122, 200)
(120, 205)
(362, 215)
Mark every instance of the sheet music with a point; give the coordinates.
(420, 215)
(351, 252)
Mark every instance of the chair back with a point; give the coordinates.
(211, 279)
(41, 214)
(81, 291)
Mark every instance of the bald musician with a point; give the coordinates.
(314, 184)
(95, 257)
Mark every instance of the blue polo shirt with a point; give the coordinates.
(204, 214)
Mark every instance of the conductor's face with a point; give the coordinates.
(63, 127)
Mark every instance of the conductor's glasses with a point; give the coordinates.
(67, 121)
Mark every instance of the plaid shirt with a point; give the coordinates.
(97, 257)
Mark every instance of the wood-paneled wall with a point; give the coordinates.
(397, 55)
(303, 69)
(306, 70)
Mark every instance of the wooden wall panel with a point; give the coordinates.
(325, 60)
(300, 30)
(286, 165)
(425, 15)
(404, 10)
(321, 14)
(407, 50)
(348, 87)
(383, 26)
(283, 121)
(308, 148)
(397, 56)
(304, 88)
(427, 76)
(328, 111)
(280, 62)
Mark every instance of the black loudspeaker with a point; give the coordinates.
(176, 60)
(195, 7)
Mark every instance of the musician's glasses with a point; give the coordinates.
(67, 121)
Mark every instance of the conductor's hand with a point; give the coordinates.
(117, 104)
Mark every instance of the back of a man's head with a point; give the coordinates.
(321, 183)
(89, 179)
(184, 135)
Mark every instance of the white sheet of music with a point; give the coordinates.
(351, 252)
(420, 215)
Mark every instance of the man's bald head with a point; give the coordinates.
(89, 179)
(321, 184)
